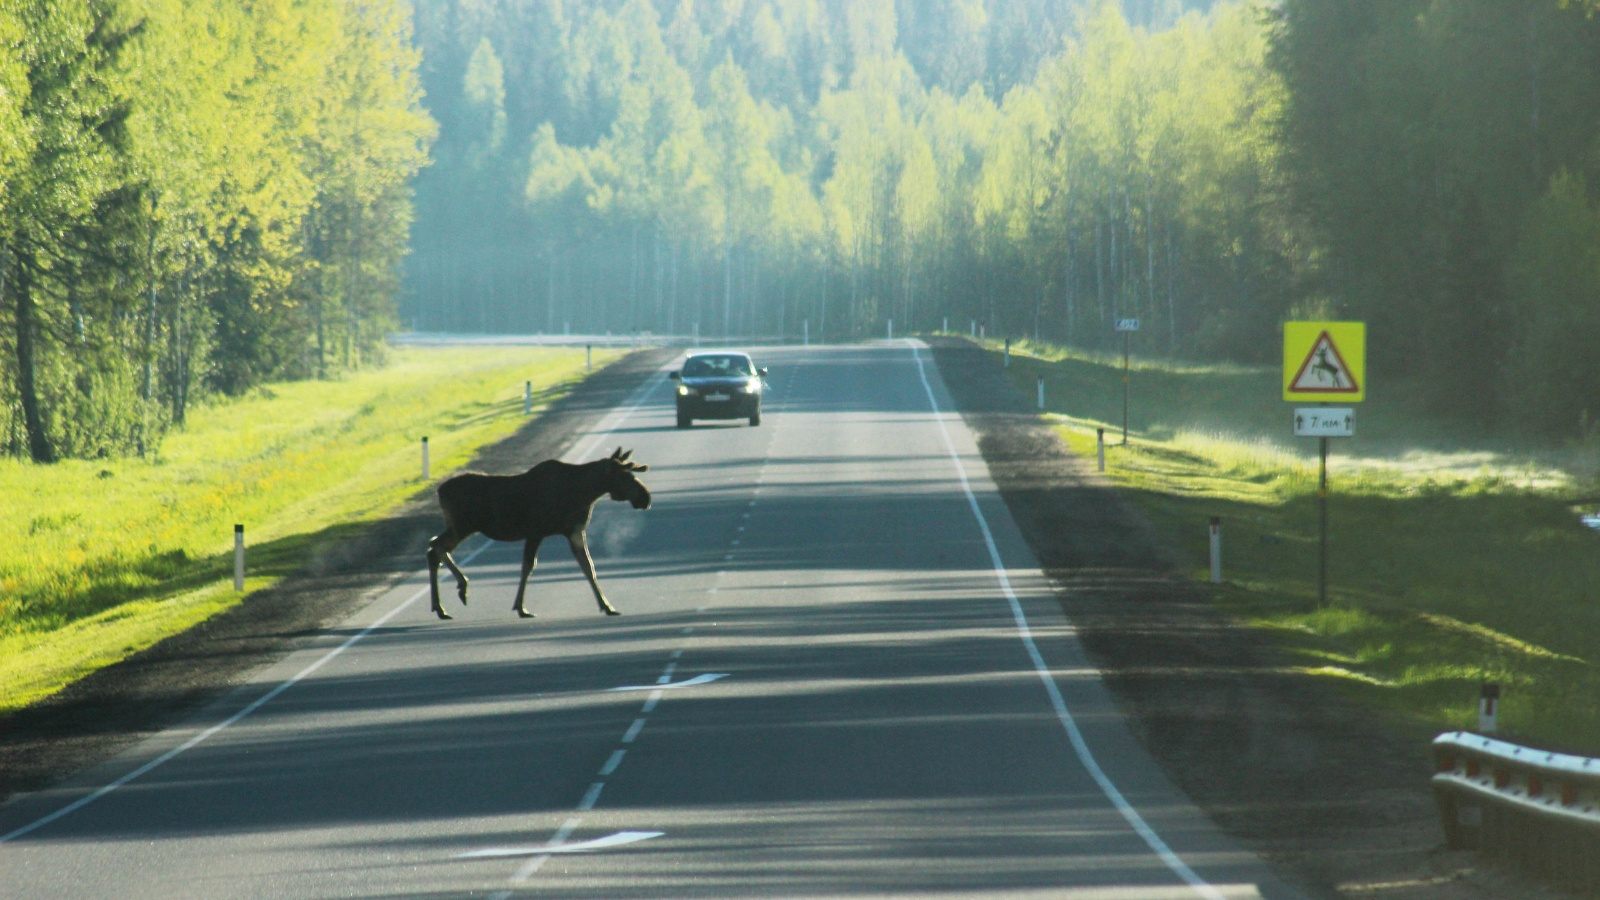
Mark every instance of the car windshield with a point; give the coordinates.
(715, 366)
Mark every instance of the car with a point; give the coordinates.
(719, 385)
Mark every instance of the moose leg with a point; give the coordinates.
(439, 551)
(580, 551)
(530, 553)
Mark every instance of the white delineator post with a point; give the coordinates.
(946, 327)
(1100, 448)
(974, 329)
(238, 558)
(1008, 354)
(805, 332)
(1489, 707)
(588, 356)
(1041, 392)
(1216, 549)
(424, 458)
(527, 398)
(891, 329)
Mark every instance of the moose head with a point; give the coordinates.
(621, 482)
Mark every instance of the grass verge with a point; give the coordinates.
(106, 558)
(1447, 566)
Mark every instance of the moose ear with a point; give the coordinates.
(617, 453)
(639, 468)
(624, 457)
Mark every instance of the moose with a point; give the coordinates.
(549, 499)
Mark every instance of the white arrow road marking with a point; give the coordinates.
(698, 679)
(611, 840)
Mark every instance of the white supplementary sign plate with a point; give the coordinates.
(1127, 324)
(1325, 421)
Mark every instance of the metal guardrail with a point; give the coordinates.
(1533, 810)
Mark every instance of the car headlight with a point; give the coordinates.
(685, 391)
(753, 386)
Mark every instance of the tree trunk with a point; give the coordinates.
(25, 321)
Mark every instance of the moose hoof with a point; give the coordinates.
(612, 612)
(439, 611)
(524, 614)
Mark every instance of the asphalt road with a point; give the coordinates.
(838, 672)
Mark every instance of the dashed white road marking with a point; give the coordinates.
(707, 678)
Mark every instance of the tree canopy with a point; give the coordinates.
(195, 196)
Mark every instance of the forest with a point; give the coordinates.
(767, 168)
(196, 197)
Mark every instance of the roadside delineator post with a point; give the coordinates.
(946, 327)
(1488, 707)
(588, 356)
(424, 458)
(1216, 549)
(1008, 353)
(238, 558)
(1041, 392)
(891, 329)
(527, 398)
(1100, 447)
(805, 332)
(974, 329)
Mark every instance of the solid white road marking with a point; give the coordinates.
(259, 702)
(1063, 714)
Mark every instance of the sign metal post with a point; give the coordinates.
(1323, 362)
(1127, 327)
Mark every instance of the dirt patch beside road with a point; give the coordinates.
(1334, 797)
(100, 715)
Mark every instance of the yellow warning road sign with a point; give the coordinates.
(1325, 361)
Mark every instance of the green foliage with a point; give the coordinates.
(1555, 277)
(1419, 138)
(108, 557)
(1036, 166)
(195, 196)
(1445, 569)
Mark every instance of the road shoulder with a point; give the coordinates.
(102, 714)
(1337, 800)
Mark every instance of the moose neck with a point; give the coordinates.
(591, 481)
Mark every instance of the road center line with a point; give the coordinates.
(1063, 714)
(633, 731)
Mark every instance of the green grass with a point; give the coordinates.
(105, 558)
(1447, 566)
